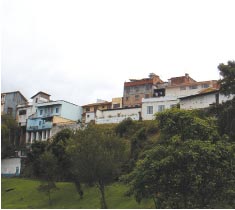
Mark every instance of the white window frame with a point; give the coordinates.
(149, 109)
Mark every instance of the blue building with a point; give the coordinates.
(49, 117)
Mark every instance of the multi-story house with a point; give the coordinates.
(89, 110)
(25, 111)
(135, 90)
(203, 100)
(50, 117)
(9, 102)
(167, 94)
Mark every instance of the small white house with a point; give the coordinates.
(10, 166)
(202, 100)
(150, 106)
(117, 115)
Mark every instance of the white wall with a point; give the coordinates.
(89, 117)
(23, 118)
(201, 101)
(116, 115)
(155, 103)
(8, 166)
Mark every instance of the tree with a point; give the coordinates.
(225, 112)
(58, 147)
(96, 156)
(191, 174)
(227, 83)
(48, 168)
(189, 166)
(32, 161)
(9, 131)
(186, 125)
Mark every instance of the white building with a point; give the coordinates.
(117, 115)
(11, 167)
(202, 100)
(150, 106)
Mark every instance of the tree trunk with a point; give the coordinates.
(49, 197)
(102, 198)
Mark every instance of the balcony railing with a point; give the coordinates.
(43, 126)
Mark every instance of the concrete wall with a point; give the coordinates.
(22, 119)
(133, 95)
(116, 115)
(201, 101)
(155, 103)
(10, 166)
(89, 116)
(71, 111)
(58, 128)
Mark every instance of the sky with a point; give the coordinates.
(81, 51)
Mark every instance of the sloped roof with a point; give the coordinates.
(16, 92)
(40, 92)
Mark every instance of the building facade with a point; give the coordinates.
(150, 106)
(203, 100)
(9, 102)
(135, 90)
(47, 116)
(89, 110)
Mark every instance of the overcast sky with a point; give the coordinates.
(81, 51)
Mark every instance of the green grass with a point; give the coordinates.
(25, 195)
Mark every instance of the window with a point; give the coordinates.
(115, 106)
(127, 98)
(36, 100)
(41, 111)
(22, 112)
(137, 97)
(148, 87)
(161, 108)
(182, 88)
(149, 109)
(57, 110)
(127, 89)
(87, 109)
(146, 95)
(40, 122)
(136, 89)
(205, 85)
(193, 87)
(9, 110)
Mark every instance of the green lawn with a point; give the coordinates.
(25, 195)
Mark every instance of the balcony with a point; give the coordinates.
(46, 125)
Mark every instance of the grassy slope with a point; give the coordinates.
(25, 195)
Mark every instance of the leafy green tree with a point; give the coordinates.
(124, 127)
(58, 147)
(187, 125)
(191, 174)
(96, 155)
(225, 112)
(48, 168)
(227, 83)
(9, 133)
